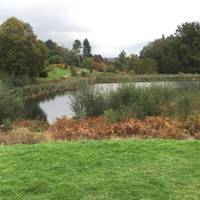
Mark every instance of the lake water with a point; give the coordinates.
(52, 108)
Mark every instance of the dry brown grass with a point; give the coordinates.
(99, 128)
(21, 136)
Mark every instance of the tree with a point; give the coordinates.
(55, 52)
(179, 52)
(122, 61)
(145, 66)
(71, 58)
(122, 57)
(188, 36)
(88, 63)
(50, 44)
(21, 53)
(86, 48)
(77, 46)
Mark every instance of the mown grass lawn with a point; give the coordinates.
(89, 170)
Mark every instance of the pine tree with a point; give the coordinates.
(77, 46)
(86, 48)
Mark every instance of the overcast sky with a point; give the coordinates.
(110, 25)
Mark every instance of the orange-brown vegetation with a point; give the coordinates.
(100, 128)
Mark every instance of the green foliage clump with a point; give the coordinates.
(134, 101)
(87, 101)
(21, 53)
(11, 104)
(88, 63)
(44, 74)
(77, 46)
(178, 52)
(86, 48)
(84, 73)
(145, 66)
(131, 101)
(73, 72)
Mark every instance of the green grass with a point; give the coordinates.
(148, 169)
(56, 73)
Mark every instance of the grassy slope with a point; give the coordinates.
(57, 73)
(151, 169)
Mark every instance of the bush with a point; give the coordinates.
(73, 72)
(44, 74)
(145, 66)
(84, 73)
(131, 101)
(110, 68)
(88, 63)
(11, 104)
(88, 102)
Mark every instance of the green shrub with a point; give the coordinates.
(131, 101)
(135, 101)
(84, 74)
(73, 72)
(88, 102)
(117, 115)
(88, 63)
(110, 68)
(44, 74)
(11, 104)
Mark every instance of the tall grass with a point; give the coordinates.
(131, 101)
(114, 78)
(48, 88)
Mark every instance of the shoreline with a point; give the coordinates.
(59, 86)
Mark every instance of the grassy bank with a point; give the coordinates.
(116, 78)
(57, 74)
(118, 170)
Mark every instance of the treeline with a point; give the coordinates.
(179, 52)
(23, 54)
(80, 55)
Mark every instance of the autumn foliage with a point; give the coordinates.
(99, 128)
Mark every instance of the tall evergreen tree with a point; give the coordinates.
(122, 57)
(86, 48)
(77, 46)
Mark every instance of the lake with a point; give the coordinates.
(51, 108)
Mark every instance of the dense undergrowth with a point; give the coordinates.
(137, 102)
(100, 128)
(11, 103)
(125, 112)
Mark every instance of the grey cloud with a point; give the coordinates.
(47, 21)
